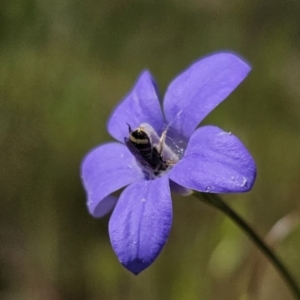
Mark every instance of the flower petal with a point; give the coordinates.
(104, 206)
(199, 89)
(141, 222)
(141, 105)
(104, 170)
(215, 161)
(178, 189)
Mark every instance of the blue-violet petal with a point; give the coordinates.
(141, 105)
(105, 170)
(179, 189)
(141, 222)
(103, 207)
(197, 91)
(215, 161)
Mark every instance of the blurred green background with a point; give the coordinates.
(63, 66)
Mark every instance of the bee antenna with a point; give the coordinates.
(129, 128)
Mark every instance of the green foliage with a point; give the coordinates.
(63, 67)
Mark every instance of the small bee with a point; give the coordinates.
(154, 158)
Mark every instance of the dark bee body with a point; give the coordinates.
(148, 156)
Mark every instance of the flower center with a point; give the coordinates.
(152, 153)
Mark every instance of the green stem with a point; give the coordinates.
(216, 201)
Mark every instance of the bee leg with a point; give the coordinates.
(129, 128)
(161, 143)
(171, 162)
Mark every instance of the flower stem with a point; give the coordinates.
(216, 201)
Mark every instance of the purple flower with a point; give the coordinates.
(206, 159)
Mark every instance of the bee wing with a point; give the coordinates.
(134, 151)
